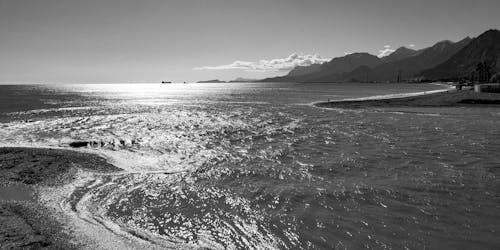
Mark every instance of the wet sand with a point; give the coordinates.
(26, 223)
(442, 99)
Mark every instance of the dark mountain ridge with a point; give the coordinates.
(443, 60)
(408, 68)
(329, 70)
(399, 54)
(484, 49)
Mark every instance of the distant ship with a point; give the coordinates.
(165, 82)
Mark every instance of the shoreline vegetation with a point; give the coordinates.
(448, 98)
(26, 222)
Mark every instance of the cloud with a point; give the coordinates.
(412, 45)
(280, 64)
(386, 51)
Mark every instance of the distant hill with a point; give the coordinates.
(360, 74)
(369, 68)
(331, 70)
(427, 58)
(211, 81)
(304, 70)
(400, 54)
(241, 79)
(328, 71)
(443, 60)
(483, 49)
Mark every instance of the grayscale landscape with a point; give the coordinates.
(263, 124)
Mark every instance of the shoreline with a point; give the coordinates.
(402, 95)
(28, 222)
(436, 98)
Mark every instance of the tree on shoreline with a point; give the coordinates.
(483, 71)
(495, 78)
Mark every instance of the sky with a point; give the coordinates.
(104, 41)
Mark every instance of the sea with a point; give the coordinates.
(258, 166)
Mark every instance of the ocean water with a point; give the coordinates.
(256, 166)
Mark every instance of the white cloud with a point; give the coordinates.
(412, 45)
(386, 51)
(280, 64)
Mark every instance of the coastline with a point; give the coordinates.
(28, 222)
(72, 202)
(438, 98)
(402, 95)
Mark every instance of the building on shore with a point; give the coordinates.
(487, 88)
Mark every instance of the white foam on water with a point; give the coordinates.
(136, 142)
(140, 143)
(87, 223)
(41, 111)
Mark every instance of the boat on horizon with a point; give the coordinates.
(166, 82)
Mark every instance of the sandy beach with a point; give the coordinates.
(442, 99)
(26, 223)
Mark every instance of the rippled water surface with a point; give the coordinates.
(256, 166)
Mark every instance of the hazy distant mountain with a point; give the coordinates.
(485, 48)
(241, 79)
(304, 70)
(337, 66)
(360, 74)
(211, 81)
(329, 71)
(400, 54)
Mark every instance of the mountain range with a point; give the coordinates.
(483, 49)
(444, 60)
(239, 79)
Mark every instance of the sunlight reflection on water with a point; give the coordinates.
(245, 166)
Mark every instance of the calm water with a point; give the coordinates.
(237, 166)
